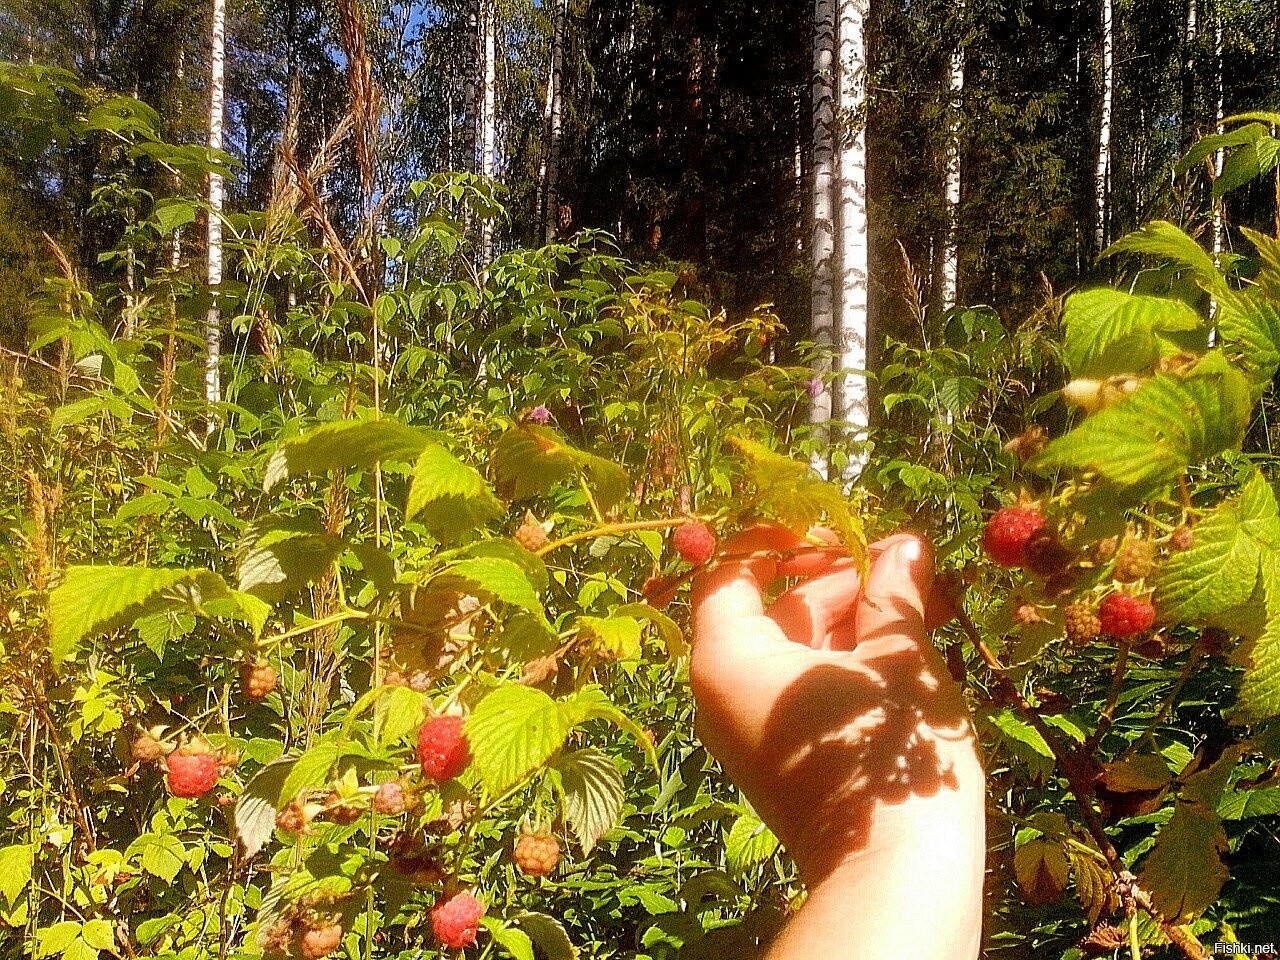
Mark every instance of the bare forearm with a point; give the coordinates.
(916, 888)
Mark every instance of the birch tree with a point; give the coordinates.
(488, 119)
(852, 241)
(1102, 172)
(822, 244)
(951, 177)
(217, 97)
(549, 174)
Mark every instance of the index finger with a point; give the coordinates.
(732, 589)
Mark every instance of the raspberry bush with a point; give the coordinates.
(294, 676)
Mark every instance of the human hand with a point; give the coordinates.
(839, 721)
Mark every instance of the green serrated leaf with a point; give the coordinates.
(1184, 870)
(749, 842)
(499, 578)
(1162, 239)
(670, 632)
(98, 599)
(530, 460)
(284, 560)
(514, 731)
(548, 934)
(255, 814)
(399, 711)
(593, 794)
(616, 635)
(1111, 332)
(450, 496)
(591, 703)
(514, 942)
(1248, 324)
(343, 445)
(309, 770)
(15, 871)
(1153, 436)
(1217, 574)
(161, 855)
(791, 493)
(1259, 696)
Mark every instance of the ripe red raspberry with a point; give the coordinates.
(1122, 615)
(257, 679)
(537, 854)
(320, 940)
(1081, 623)
(192, 774)
(695, 542)
(456, 921)
(443, 750)
(390, 799)
(1008, 532)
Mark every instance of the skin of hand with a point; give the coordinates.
(839, 721)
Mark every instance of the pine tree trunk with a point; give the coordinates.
(213, 322)
(822, 245)
(488, 119)
(951, 183)
(553, 120)
(852, 245)
(1102, 173)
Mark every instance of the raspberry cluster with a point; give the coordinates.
(456, 921)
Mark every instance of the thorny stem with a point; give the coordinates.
(1107, 717)
(1166, 706)
(1070, 763)
(607, 529)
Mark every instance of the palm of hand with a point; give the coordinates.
(830, 709)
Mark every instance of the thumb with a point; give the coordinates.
(892, 606)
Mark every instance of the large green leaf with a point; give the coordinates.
(98, 599)
(499, 578)
(1259, 695)
(1162, 239)
(1169, 423)
(1110, 332)
(1218, 573)
(593, 794)
(450, 496)
(15, 871)
(530, 460)
(793, 494)
(514, 731)
(342, 445)
(285, 558)
(255, 814)
(548, 934)
(1249, 332)
(160, 854)
(616, 635)
(592, 703)
(1184, 871)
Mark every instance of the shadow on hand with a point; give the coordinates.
(849, 738)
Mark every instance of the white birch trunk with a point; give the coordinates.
(213, 322)
(488, 120)
(852, 244)
(553, 118)
(1102, 174)
(822, 246)
(951, 186)
(1219, 156)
